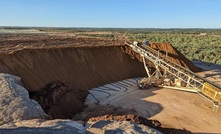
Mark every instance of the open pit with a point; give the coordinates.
(61, 71)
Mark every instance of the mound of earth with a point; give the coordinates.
(173, 55)
(61, 101)
(15, 104)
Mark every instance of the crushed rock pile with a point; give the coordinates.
(15, 104)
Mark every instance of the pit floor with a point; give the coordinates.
(174, 109)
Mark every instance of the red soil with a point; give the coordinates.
(173, 55)
(119, 114)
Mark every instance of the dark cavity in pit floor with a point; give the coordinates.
(60, 100)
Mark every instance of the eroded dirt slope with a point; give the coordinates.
(173, 55)
(86, 67)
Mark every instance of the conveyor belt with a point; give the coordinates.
(203, 86)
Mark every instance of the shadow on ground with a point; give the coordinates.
(125, 107)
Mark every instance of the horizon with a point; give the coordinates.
(156, 14)
(108, 28)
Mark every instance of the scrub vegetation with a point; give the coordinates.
(195, 44)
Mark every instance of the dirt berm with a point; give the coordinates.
(86, 67)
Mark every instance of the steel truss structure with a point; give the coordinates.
(204, 87)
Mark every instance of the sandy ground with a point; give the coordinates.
(185, 110)
(174, 109)
(211, 71)
(14, 42)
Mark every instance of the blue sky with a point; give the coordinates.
(112, 13)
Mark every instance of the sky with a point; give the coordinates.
(112, 13)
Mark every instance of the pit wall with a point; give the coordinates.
(85, 67)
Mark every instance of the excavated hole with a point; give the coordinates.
(88, 66)
(60, 100)
(65, 100)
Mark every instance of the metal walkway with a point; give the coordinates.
(204, 87)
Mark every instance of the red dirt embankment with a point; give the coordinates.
(85, 67)
(173, 55)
